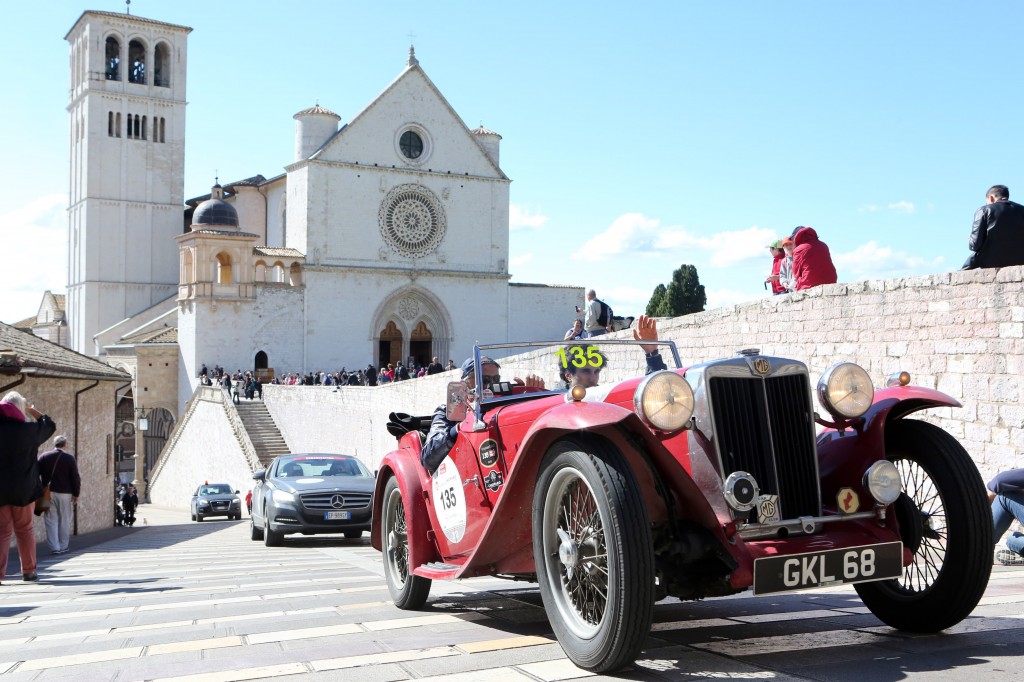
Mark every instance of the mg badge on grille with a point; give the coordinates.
(337, 501)
(768, 509)
(762, 366)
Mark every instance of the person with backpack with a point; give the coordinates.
(598, 318)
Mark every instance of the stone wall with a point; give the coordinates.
(961, 333)
(208, 446)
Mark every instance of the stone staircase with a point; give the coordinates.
(262, 430)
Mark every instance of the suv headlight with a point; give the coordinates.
(845, 390)
(664, 401)
(283, 497)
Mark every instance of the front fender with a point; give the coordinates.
(843, 456)
(405, 466)
(507, 542)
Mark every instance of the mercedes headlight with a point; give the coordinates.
(845, 390)
(882, 479)
(282, 497)
(664, 401)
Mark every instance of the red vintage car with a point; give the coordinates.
(691, 482)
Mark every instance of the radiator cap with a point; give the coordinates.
(750, 351)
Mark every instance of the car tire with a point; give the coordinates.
(408, 591)
(193, 517)
(199, 517)
(952, 555)
(578, 560)
(272, 538)
(353, 534)
(255, 533)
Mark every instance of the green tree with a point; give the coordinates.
(656, 299)
(683, 295)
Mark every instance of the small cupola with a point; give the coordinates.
(215, 212)
(490, 141)
(313, 127)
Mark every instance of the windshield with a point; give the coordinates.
(503, 370)
(320, 466)
(216, 489)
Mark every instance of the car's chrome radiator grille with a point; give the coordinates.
(765, 427)
(323, 501)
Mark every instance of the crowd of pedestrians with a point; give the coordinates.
(245, 384)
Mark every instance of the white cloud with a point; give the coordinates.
(521, 260)
(522, 218)
(719, 298)
(872, 261)
(636, 235)
(902, 206)
(35, 235)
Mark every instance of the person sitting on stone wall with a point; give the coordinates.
(1007, 498)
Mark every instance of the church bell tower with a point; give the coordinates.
(126, 121)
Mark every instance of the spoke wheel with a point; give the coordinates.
(592, 547)
(945, 520)
(408, 591)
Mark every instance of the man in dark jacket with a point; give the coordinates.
(59, 469)
(997, 236)
(19, 478)
(812, 262)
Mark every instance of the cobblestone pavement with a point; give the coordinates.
(175, 600)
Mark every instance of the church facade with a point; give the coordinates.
(385, 238)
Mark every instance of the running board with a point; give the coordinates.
(437, 570)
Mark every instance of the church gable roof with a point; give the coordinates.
(411, 99)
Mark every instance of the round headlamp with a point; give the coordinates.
(664, 401)
(845, 390)
(883, 481)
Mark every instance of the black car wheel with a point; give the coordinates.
(353, 534)
(408, 591)
(199, 517)
(592, 547)
(254, 532)
(270, 538)
(945, 520)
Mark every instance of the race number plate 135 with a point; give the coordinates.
(830, 567)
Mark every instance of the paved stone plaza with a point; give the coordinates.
(175, 600)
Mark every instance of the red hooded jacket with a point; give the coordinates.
(812, 262)
(777, 287)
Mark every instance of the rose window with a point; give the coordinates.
(412, 220)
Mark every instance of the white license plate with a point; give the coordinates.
(336, 515)
(828, 567)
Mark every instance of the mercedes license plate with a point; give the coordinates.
(336, 515)
(829, 567)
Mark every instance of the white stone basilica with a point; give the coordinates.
(385, 239)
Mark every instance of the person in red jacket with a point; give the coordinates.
(779, 255)
(812, 262)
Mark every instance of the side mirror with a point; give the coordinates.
(236, 492)
(260, 475)
(457, 404)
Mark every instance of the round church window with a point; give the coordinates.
(412, 220)
(411, 145)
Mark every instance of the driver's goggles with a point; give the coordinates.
(492, 378)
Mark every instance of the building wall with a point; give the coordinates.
(91, 441)
(207, 449)
(961, 333)
(540, 312)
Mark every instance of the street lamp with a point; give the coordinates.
(142, 418)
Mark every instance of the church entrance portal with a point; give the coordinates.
(390, 349)
(420, 345)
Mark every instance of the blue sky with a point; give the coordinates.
(637, 137)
